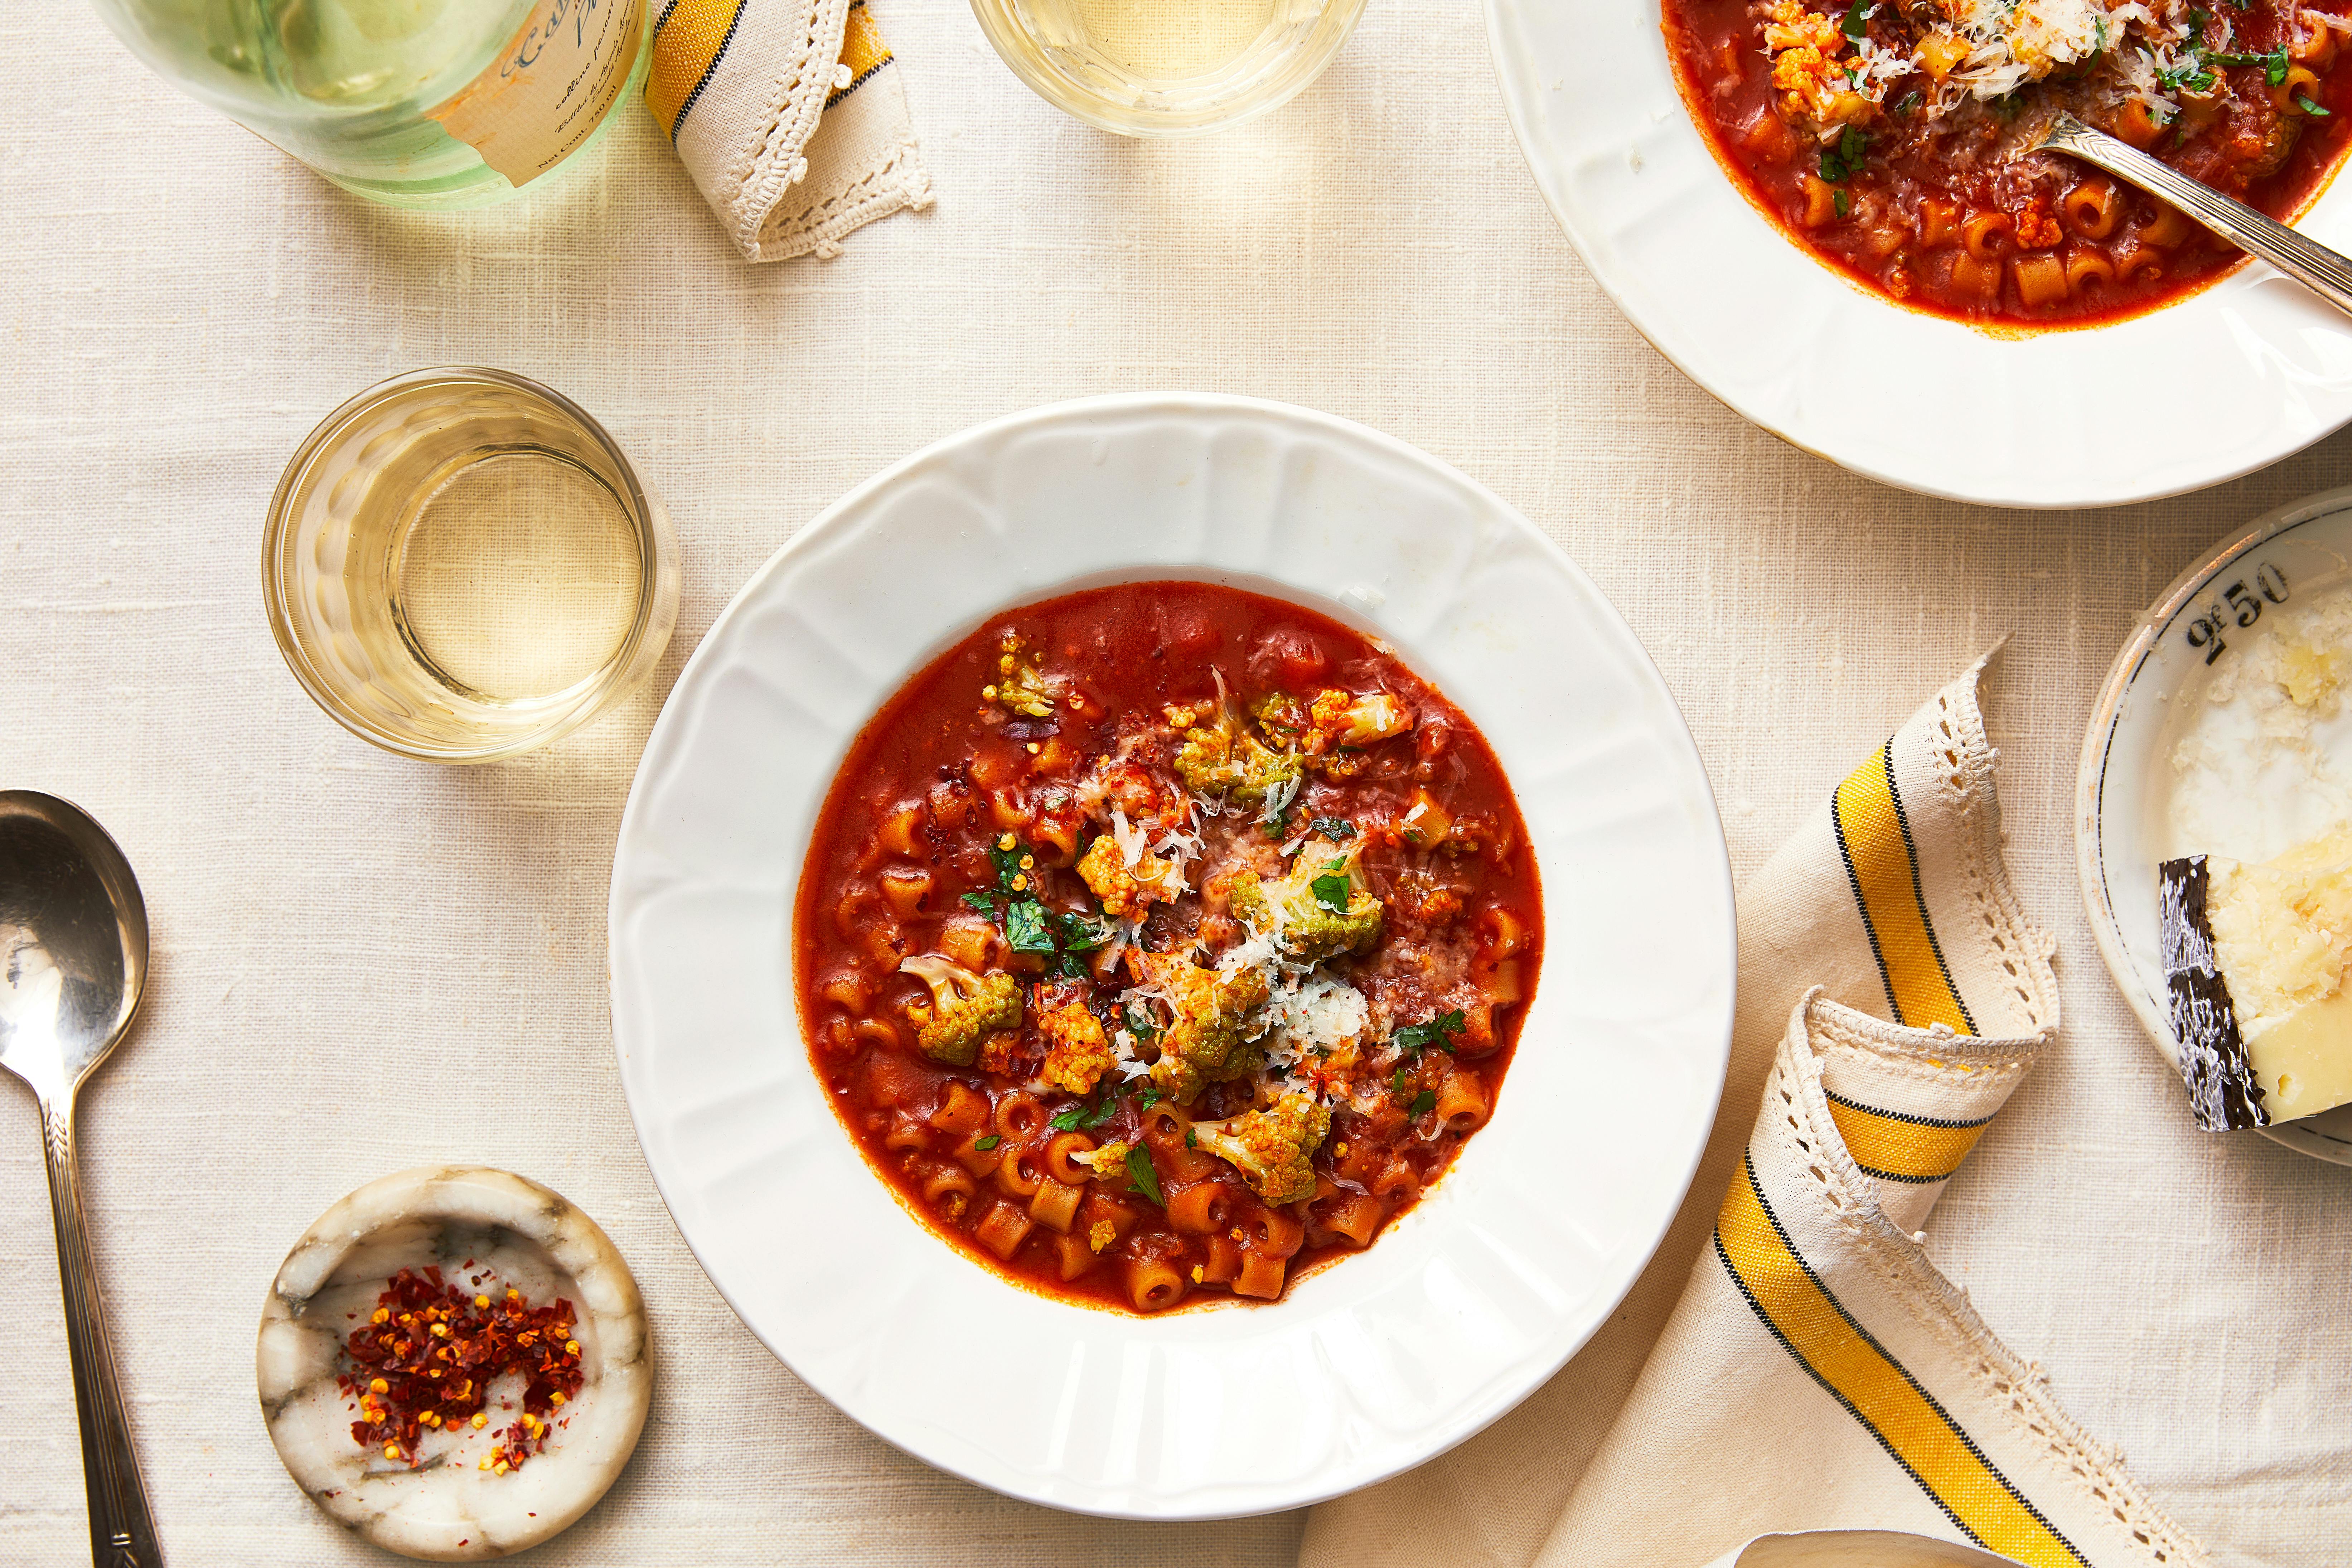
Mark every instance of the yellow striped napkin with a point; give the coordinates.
(1792, 1362)
(789, 116)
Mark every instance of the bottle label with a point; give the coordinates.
(550, 88)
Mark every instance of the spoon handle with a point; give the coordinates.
(2325, 272)
(121, 1532)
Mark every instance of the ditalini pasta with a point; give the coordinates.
(1889, 137)
(1161, 943)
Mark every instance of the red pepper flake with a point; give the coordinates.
(421, 1319)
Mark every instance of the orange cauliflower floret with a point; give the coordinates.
(2037, 229)
(1811, 81)
(1126, 889)
(1077, 1052)
(1271, 1148)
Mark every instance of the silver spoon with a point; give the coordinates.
(73, 960)
(2325, 272)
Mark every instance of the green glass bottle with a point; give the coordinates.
(419, 103)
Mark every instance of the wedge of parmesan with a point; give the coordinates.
(2258, 961)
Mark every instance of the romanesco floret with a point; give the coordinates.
(1208, 1041)
(1077, 1052)
(966, 1008)
(1219, 756)
(1123, 889)
(1317, 910)
(1271, 1148)
(1019, 686)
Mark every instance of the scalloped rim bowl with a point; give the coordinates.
(2311, 540)
(1467, 1303)
(2218, 384)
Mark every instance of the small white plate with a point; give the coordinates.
(2302, 548)
(2249, 370)
(1467, 1303)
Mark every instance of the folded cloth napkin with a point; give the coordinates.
(1815, 1372)
(789, 116)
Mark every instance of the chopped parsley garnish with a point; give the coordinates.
(986, 1141)
(1334, 827)
(2310, 108)
(1401, 1082)
(2273, 64)
(1423, 1103)
(1330, 889)
(1148, 1099)
(1908, 104)
(1140, 1023)
(1857, 19)
(1006, 854)
(1029, 925)
(1084, 1118)
(1844, 160)
(1025, 927)
(1279, 824)
(1190, 1141)
(1420, 1037)
(1146, 1179)
(1838, 200)
(1077, 933)
(2100, 24)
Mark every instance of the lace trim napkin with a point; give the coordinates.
(1817, 1373)
(790, 117)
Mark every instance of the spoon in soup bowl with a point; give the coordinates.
(2325, 272)
(73, 962)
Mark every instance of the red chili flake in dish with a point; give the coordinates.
(427, 1355)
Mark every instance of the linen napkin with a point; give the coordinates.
(789, 116)
(1815, 1372)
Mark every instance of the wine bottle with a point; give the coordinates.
(418, 103)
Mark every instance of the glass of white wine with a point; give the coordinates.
(460, 565)
(1167, 68)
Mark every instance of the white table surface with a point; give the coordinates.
(364, 963)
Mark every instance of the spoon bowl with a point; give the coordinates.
(73, 966)
(73, 941)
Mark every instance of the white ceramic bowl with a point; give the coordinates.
(1467, 1303)
(2250, 369)
(2307, 547)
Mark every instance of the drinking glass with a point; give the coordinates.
(460, 565)
(1167, 68)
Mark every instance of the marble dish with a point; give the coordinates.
(446, 1509)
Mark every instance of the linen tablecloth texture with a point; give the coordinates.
(1818, 1372)
(789, 116)
(364, 963)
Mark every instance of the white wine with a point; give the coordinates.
(1167, 68)
(1173, 38)
(425, 103)
(513, 577)
(460, 565)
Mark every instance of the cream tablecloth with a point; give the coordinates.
(363, 964)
